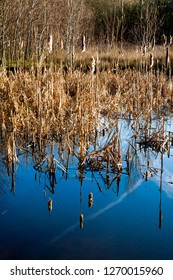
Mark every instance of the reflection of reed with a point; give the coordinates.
(11, 159)
(81, 219)
(160, 203)
(90, 199)
(68, 111)
(98, 213)
(50, 205)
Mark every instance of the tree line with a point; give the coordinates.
(27, 27)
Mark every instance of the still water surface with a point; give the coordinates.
(130, 219)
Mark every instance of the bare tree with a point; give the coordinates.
(4, 28)
(147, 24)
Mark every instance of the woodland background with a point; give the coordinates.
(27, 26)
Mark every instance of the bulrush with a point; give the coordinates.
(50, 43)
(90, 199)
(81, 221)
(50, 202)
(3, 125)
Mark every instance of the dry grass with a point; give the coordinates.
(67, 108)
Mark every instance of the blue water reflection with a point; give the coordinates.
(131, 218)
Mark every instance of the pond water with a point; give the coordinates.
(90, 213)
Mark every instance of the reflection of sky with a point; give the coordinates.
(167, 176)
(121, 226)
(112, 221)
(125, 135)
(99, 212)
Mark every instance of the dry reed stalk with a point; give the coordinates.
(3, 128)
(43, 102)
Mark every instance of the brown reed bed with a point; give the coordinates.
(39, 108)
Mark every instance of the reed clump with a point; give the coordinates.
(37, 108)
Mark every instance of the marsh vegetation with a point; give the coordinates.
(100, 114)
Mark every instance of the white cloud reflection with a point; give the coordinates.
(99, 212)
